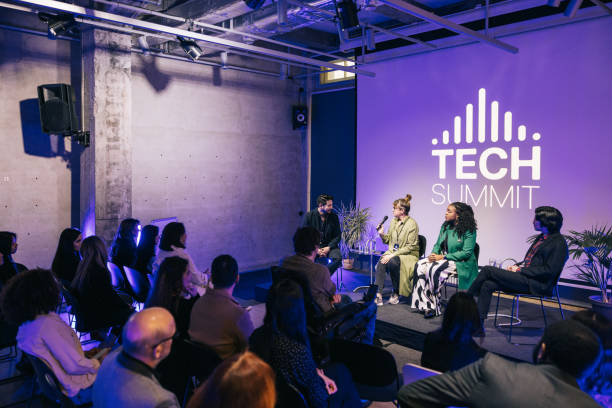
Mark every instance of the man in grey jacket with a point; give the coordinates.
(567, 352)
(127, 378)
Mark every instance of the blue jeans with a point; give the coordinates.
(347, 395)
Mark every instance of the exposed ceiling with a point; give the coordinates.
(302, 33)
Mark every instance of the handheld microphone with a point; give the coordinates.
(382, 222)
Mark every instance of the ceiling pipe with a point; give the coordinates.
(214, 27)
(104, 16)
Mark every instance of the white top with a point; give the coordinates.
(198, 279)
(49, 338)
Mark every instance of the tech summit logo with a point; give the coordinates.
(469, 165)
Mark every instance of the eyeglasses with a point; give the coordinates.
(173, 337)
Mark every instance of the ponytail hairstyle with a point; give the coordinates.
(403, 203)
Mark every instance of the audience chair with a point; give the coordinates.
(200, 360)
(8, 340)
(422, 246)
(373, 369)
(514, 318)
(288, 396)
(80, 324)
(138, 283)
(48, 383)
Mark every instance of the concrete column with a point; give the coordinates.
(106, 166)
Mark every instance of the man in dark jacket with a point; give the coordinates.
(567, 353)
(327, 223)
(537, 274)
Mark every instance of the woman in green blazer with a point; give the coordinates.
(453, 251)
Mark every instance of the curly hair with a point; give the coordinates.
(465, 219)
(29, 294)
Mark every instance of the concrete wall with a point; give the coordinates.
(35, 178)
(215, 148)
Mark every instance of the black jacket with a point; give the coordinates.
(330, 229)
(546, 265)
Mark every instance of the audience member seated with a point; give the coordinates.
(146, 250)
(283, 343)
(100, 306)
(8, 246)
(172, 243)
(67, 256)
(322, 288)
(217, 320)
(599, 384)
(451, 347)
(567, 353)
(29, 300)
(171, 291)
(241, 381)
(537, 274)
(127, 377)
(123, 249)
(453, 251)
(324, 220)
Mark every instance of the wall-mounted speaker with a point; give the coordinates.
(347, 14)
(57, 112)
(300, 117)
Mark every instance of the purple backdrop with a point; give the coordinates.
(553, 150)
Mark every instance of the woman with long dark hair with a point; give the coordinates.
(173, 243)
(100, 305)
(123, 249)
(67, 255)
(171, 290)
(283, 343)
(453, 251)
(452, 347)
(146, 250)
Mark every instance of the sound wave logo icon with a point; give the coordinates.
(462, 164)
(474, 161)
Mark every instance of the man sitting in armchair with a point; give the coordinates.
(537, 274)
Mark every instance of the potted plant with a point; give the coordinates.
(354, 222)
(593, 246)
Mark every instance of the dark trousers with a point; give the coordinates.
(346, 396)
(332, 261)
(491, 279)
(393, 269)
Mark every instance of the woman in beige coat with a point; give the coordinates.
(403, 253)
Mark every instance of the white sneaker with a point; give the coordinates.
(394, 299)
(378, 300)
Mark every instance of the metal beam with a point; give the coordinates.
(572, 8)
(312, 8)
(213, 27)
(114, 18)
(428, 16)
(602, 5)
(402, 36)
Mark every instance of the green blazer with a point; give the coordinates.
(460, 250)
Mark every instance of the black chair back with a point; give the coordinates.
(422, 245)
(48, 382)
(288, 396)
(139, 284)
(476, 251)
(201, 360)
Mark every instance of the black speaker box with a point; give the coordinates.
(347, 13)
(300, 117)
(57, 112)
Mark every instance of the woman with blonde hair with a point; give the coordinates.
(403, 253)
(241, 381)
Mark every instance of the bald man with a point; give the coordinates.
(127, 378)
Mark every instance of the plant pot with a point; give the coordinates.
(348, 263)
(600, 307)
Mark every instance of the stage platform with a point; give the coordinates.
(398, 324)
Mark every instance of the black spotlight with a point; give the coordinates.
(347, 14)
(254, 4)
(57, 25)
(190, 47)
